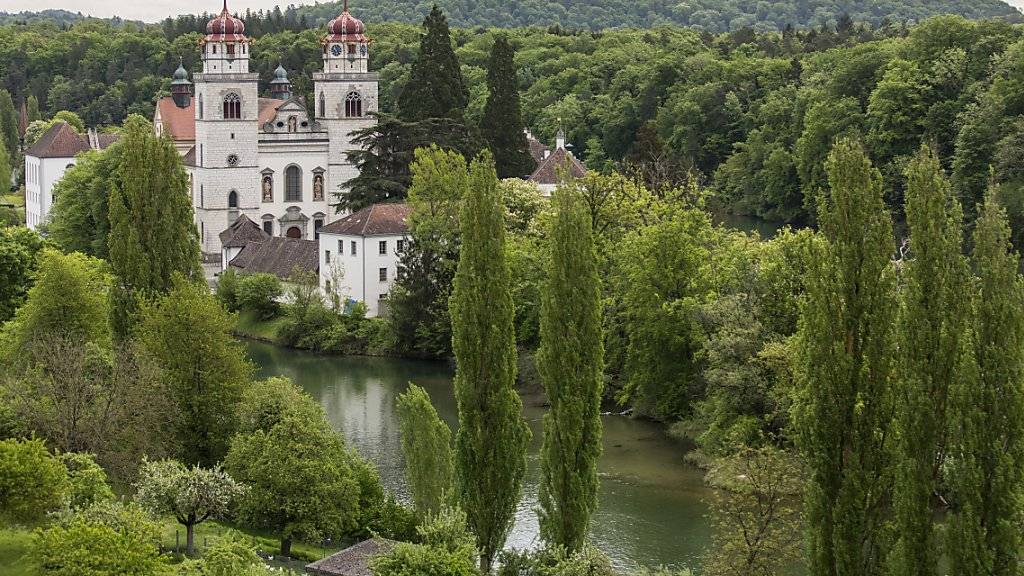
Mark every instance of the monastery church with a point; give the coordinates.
(273, 160)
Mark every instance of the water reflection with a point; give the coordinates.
(650, 506)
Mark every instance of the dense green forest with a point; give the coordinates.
(753, 115)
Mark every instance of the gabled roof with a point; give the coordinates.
(189, 159)
(537, 148)
(241, 232)
(352, 561)
(61, 141)
(376, 220)
(179, 123)
(278, 256)
(547, 172)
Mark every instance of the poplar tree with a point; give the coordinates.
(5, 170)
(987, 448)
(845, 339)
(426, 445)
(9, 124)
(435, 88)
(502, 123)
(152, 234)
(571, 365)
(491, 441)
(933, 321)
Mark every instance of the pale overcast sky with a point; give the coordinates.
(148, 10)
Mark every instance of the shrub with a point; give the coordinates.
(87, 481)
(105, 539)
(32, 481)
(259, 293)
(446, 549)
(227, 289)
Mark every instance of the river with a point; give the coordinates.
(651, 510)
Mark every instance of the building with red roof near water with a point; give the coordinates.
(278, 160)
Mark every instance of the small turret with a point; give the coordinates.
(280, 86)
(181, 88)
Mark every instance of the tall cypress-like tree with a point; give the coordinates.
(502, 124)
(33, 109)
(152, 234)
(987, 435)
(844, 369)
(5, 169)
(571, 365)
(435, 88)
(9, 123)
(426, 445)
(491, 442)
(933, 318)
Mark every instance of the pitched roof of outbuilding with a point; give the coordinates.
(376, 220)
(278, 256)
(189, 159)
(352, 561)
(241, 232)
(547, 172)
(537, 148)
(61, 141)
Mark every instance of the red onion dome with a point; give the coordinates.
(346, 28)
(225, 28)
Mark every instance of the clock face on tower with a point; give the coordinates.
(232, 159)
(336, 49)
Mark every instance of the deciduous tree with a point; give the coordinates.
(843, 411)
(492, 437)
(192, 495)
(571, 366)
(426, 445)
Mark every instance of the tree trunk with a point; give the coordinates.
(190, 539)
(485, 565)
(286, 547)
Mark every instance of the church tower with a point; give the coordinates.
(345, 93)
(227, 131)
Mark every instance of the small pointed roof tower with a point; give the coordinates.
(181, 88)
(280, 86)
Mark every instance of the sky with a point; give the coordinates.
(146, 10)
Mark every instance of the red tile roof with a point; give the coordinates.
(61, 141)
(547, 172)
(376, 220)
(537, 149)
(179, 123)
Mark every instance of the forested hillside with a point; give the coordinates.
(711, 15)
(753, 114)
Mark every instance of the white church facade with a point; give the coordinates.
(279, 160)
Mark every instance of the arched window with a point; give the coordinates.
(323, 106)
(353, 105)
(232, 107)
(292, 184)
(233, 199)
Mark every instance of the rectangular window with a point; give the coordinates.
(317, 225)
(353, 247)
(399, 246)
(268, 227)
(341, 247)
(327, 256)
(383, 274)
(327, 285)
(382, 247)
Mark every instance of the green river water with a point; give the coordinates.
(651, 509)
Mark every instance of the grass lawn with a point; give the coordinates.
(209, 532)
(18, 200)
(252, 326)
(13, 546)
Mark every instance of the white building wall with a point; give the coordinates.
(357, 277)
(41, 175)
